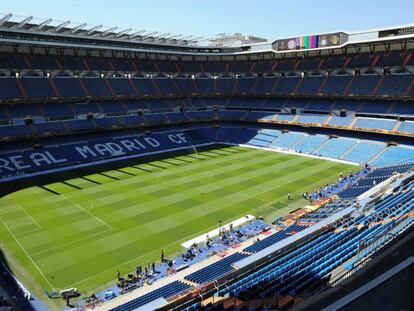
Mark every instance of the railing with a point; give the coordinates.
(378, 243)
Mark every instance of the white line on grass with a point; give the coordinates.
(146, 254)
(24, 211)
(27, 232)
(28, 256)
(86, 211)
(70, 242)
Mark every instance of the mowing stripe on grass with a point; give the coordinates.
(86, 211)
(27, 255)
(149, 206)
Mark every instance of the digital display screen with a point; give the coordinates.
(332, 39)
(309, 42)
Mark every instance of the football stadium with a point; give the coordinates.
(142, 170)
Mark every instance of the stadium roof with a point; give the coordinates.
(47, 33)
(13, 22)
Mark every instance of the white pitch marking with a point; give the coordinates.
(27, 232)
(27, 214)
(70, 242)
(86, 211)
(24, 250)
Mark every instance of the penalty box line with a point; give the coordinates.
(26, 253)
(138, 257)
(28, 215)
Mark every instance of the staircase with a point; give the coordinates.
(375, 61)
(86, 65)
(347, 61)
(157, 69)
(409, 88)
(55, 89)
(360, 106)
(376, 88)
(274, 139)
(347, 151)
(252, 67)
(298, 141)
(295, 90)
(395, 128)
(110, 87)
(28, 63)
(308, 104)
(322, 85)
(354, 121)
(156, 86)
(378, 155)
(176, 86)
(407, 59)
(234, 89)
(321, 146)
(134, 87)
(21, 87)
(348, 87)
(134, 65)
(328, 120)
(275, 85)
(320, 64)
(83, 87)
(195, 86)
(59, 64)
(111, 65)
(253, 88)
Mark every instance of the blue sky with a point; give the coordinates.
(268, 18)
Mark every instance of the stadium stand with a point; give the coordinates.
(214, 271)
(335, 147)
(375, 124)
(164, 292)
(310, 143)
(394, 154)
(61, 112)
(362, 152)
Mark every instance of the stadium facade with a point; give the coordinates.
(81, 97)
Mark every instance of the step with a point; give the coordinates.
(321, 146)
(347, 151)
(298, 141)
(378, 155)
(328, 120)
(395, 128)
(354, 121)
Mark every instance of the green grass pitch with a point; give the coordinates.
(79, 232)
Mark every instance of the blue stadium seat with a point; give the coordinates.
(215, 270)
(335, 147)
(165, 292)
(371, 123)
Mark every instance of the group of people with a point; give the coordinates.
(343, 183)
(146, 273)
(143, 273)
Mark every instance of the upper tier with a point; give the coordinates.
(383, 86)
(395, 58)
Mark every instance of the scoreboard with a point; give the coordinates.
(311, 42)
